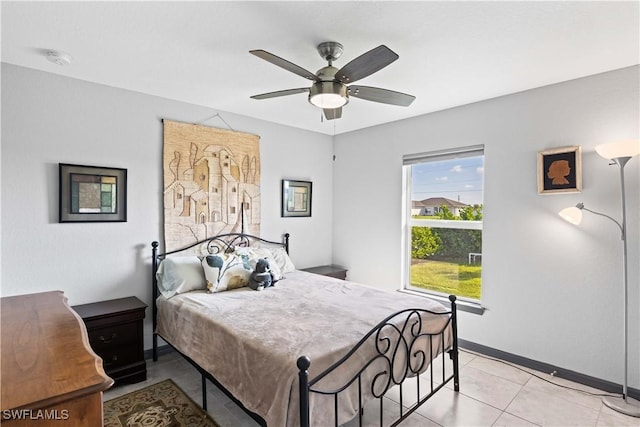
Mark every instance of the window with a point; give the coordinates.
(443, 200)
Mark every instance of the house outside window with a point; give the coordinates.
(443, 203)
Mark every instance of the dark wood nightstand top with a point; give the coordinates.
(102, 308)
(328, 270)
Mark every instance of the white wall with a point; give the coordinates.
(553, 291)
(47, 119)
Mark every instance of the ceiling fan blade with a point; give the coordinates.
(289, 66)
(280, 93)
(366, 64)
(384, 96)
(334, 113)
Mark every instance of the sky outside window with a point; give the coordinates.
(456, 179)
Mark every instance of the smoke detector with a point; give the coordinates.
(59, 58)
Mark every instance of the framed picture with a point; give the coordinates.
(92, 194)
(296, 198)
(560, 170)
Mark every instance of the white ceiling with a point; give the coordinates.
(451, 53)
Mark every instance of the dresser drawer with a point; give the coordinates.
(114, 358)
(113, 337)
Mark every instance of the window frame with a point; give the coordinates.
(467, 304)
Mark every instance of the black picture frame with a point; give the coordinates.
(92, 193)
(560, 170)
(296, 198)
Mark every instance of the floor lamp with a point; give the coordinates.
(619, 153)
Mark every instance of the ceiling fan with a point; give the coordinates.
(329, 90)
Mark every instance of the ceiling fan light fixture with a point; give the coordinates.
(328, 95)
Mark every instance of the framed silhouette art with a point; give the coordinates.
(560, 170)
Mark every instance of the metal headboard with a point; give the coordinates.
(220, 243)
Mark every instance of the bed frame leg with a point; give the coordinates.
(204, 392)
(154, 296)
(454, 354)
(155, 347)
(303, 365)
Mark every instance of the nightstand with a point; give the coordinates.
(328, 270)
(115, 330)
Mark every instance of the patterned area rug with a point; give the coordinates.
(158, 405)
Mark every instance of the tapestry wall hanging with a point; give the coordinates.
(211, 183)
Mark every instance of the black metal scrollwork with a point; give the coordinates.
(403, 347)
(403, 351)
(227, 243)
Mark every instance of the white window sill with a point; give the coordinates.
(467, 306)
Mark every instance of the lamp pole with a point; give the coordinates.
(616, 404)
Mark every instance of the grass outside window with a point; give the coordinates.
(461, 279)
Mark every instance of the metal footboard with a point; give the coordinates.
(403, 349)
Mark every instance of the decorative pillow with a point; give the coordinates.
(211, 266)
(254, 254)
(226, 272)
(282, 259)
(180, 274)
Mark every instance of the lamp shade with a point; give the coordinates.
(572, 215)
(327, 100)
(328, 95)
(618, 149)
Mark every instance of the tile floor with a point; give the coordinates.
(492, 393)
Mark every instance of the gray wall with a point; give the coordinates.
(552, 291)
(47, 119)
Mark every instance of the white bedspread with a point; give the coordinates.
(250, 341)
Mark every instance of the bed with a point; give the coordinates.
(311, 350)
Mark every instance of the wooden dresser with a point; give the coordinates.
(50, 375)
